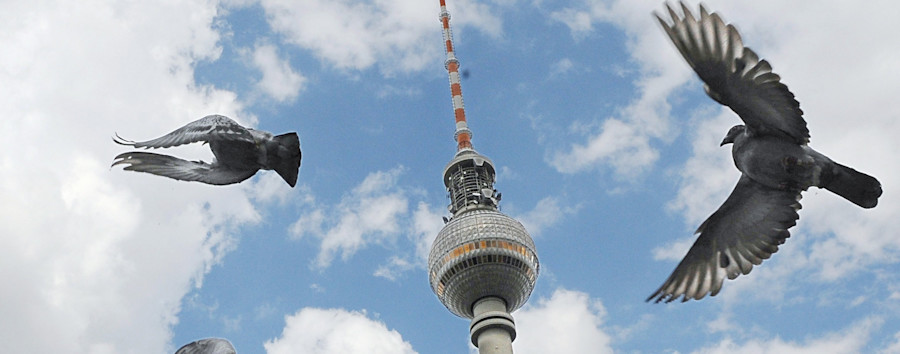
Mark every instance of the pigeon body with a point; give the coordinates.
(782, 164)
(207, 346)
(770, 149)
(239, 152)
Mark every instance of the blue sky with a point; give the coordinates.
(605, 144)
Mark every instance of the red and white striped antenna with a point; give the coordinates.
(463, 134)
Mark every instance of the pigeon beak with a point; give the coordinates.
(729, 139)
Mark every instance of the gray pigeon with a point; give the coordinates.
(207, 346)
(770, 150)
(239, 153)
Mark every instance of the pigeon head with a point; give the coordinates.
(733, 133)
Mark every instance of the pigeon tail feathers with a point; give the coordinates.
(286, 157)
(855, 186)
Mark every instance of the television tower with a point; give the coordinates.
(483, 264)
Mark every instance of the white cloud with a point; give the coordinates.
(397, 35)
(100, 259)
(370, 213)
(580, 23)
(278, 80)
(853, 339)
(568, 322)
(313, 330)
(626, 142)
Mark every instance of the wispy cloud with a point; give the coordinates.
(547, 212)
(370, 213)
(580, 23)
(561, 67)
(392, 270)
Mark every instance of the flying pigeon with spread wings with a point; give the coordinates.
(770, 149)
(207, 346)
(239, 153)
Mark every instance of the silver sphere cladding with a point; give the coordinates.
(482, 253)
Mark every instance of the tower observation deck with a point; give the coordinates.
(483, 264)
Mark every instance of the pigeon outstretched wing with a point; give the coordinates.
(734, 76)
(207, 346)
(744, 231)
(209, 128)
(173, 167)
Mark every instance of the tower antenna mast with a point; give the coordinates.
(463, 134)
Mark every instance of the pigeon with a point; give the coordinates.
(770, 149)
(207, 346)
(239, 153)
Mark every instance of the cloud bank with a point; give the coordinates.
(100, 259)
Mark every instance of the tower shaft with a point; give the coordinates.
(463, 134)
(493, 329)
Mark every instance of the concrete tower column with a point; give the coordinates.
(492, 328)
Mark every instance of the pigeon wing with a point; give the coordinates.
(734, 76)
(183, 170)
(207, 346)
(744, 231)
(209, 128)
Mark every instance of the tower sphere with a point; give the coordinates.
(480, 252)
